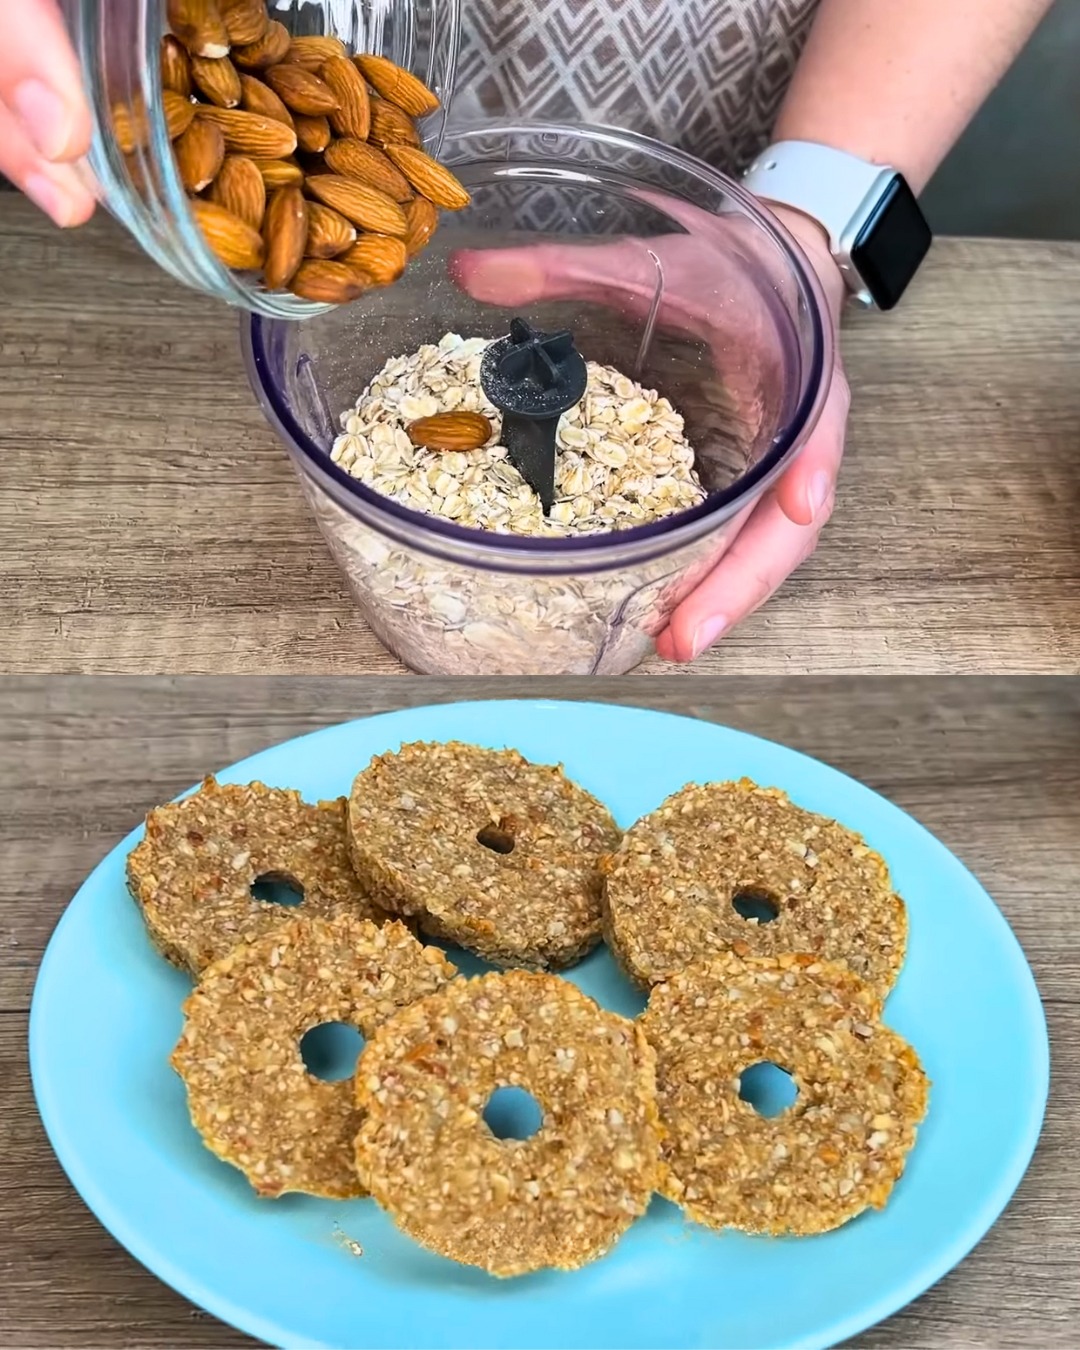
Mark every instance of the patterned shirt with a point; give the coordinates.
(704, 75)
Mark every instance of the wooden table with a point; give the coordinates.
(149, 520)
(991, 766)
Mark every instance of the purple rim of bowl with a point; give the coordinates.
(428, 529)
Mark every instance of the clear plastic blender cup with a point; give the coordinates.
(720, 313)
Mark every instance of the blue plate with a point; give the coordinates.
(106, 1013)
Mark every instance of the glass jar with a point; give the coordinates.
(720, 312)
(118, 44)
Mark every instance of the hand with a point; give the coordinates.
(44, 118)
(782, 529)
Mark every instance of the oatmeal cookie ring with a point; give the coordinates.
(737, 867)
(249, 1093)
(494, 853)
(842, 1145)
(558, 1199)
(192, 873)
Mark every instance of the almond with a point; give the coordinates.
(365, 207)
(249, 134)
(353, 114)
(311, 52)
(246, 21)
(284, 234)
(130, 125)
(199, 26)
(239, 188)
(216, 80)
(259, 98)
(381, 259)
(397, 86)
(430, 178)
(279, 173)
(300, 90)
(200, 153)
(179, 113)
(421, 218)
(232, 239)
(312, 133)
(331, 283)
(175, 66)
(390, 126)
(357, 159)
(328, 232)
(450, 431)
(268, 51)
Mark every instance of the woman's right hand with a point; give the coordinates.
(44, 118)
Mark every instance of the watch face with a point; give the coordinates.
(892, 244)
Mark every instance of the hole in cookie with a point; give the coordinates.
(330, 1051)
(513, 1113)
(755, 906)
(496, 838)
(768, 1088)
(277, 890)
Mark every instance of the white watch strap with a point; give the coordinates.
(836, 189)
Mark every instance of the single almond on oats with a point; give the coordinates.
(300, 90)
(200, 153)
(217, 80)
(329, 233)
(390, 126)
(397, 86)
(179, 112)
(421, 219)
(285, 229)
(352, 117)
(450, 431)
(312, 133)
(175, 66)
(364, 206)
(430, 178)
(329, 282)
(257, 97)
(239, 188)
(233, 240)
(381, 259)
(368, 164)
(311, 52)
(246, 21)
(249, 134)
(278, 173)
(268, 51)
(199, 26)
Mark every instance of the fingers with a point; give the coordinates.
(40, 80)
(809, 483)
(56, 188)
(607, 273)
(769, 548)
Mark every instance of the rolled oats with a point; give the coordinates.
(484, 848)
(861, 1093)
(192, 873)
(624, 458)
(559, 1199)
(676, 885)
(249, 1094)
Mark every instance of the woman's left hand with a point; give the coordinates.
(783, 528)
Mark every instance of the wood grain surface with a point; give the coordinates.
(150, 522)
(992, 766)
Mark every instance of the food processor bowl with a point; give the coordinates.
(659, 266)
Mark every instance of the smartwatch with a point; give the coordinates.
(877, 233)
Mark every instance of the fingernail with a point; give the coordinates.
(818, 494)
(44, 115)
(53, 200)
(706, 633)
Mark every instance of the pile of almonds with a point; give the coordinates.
(301, 161)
